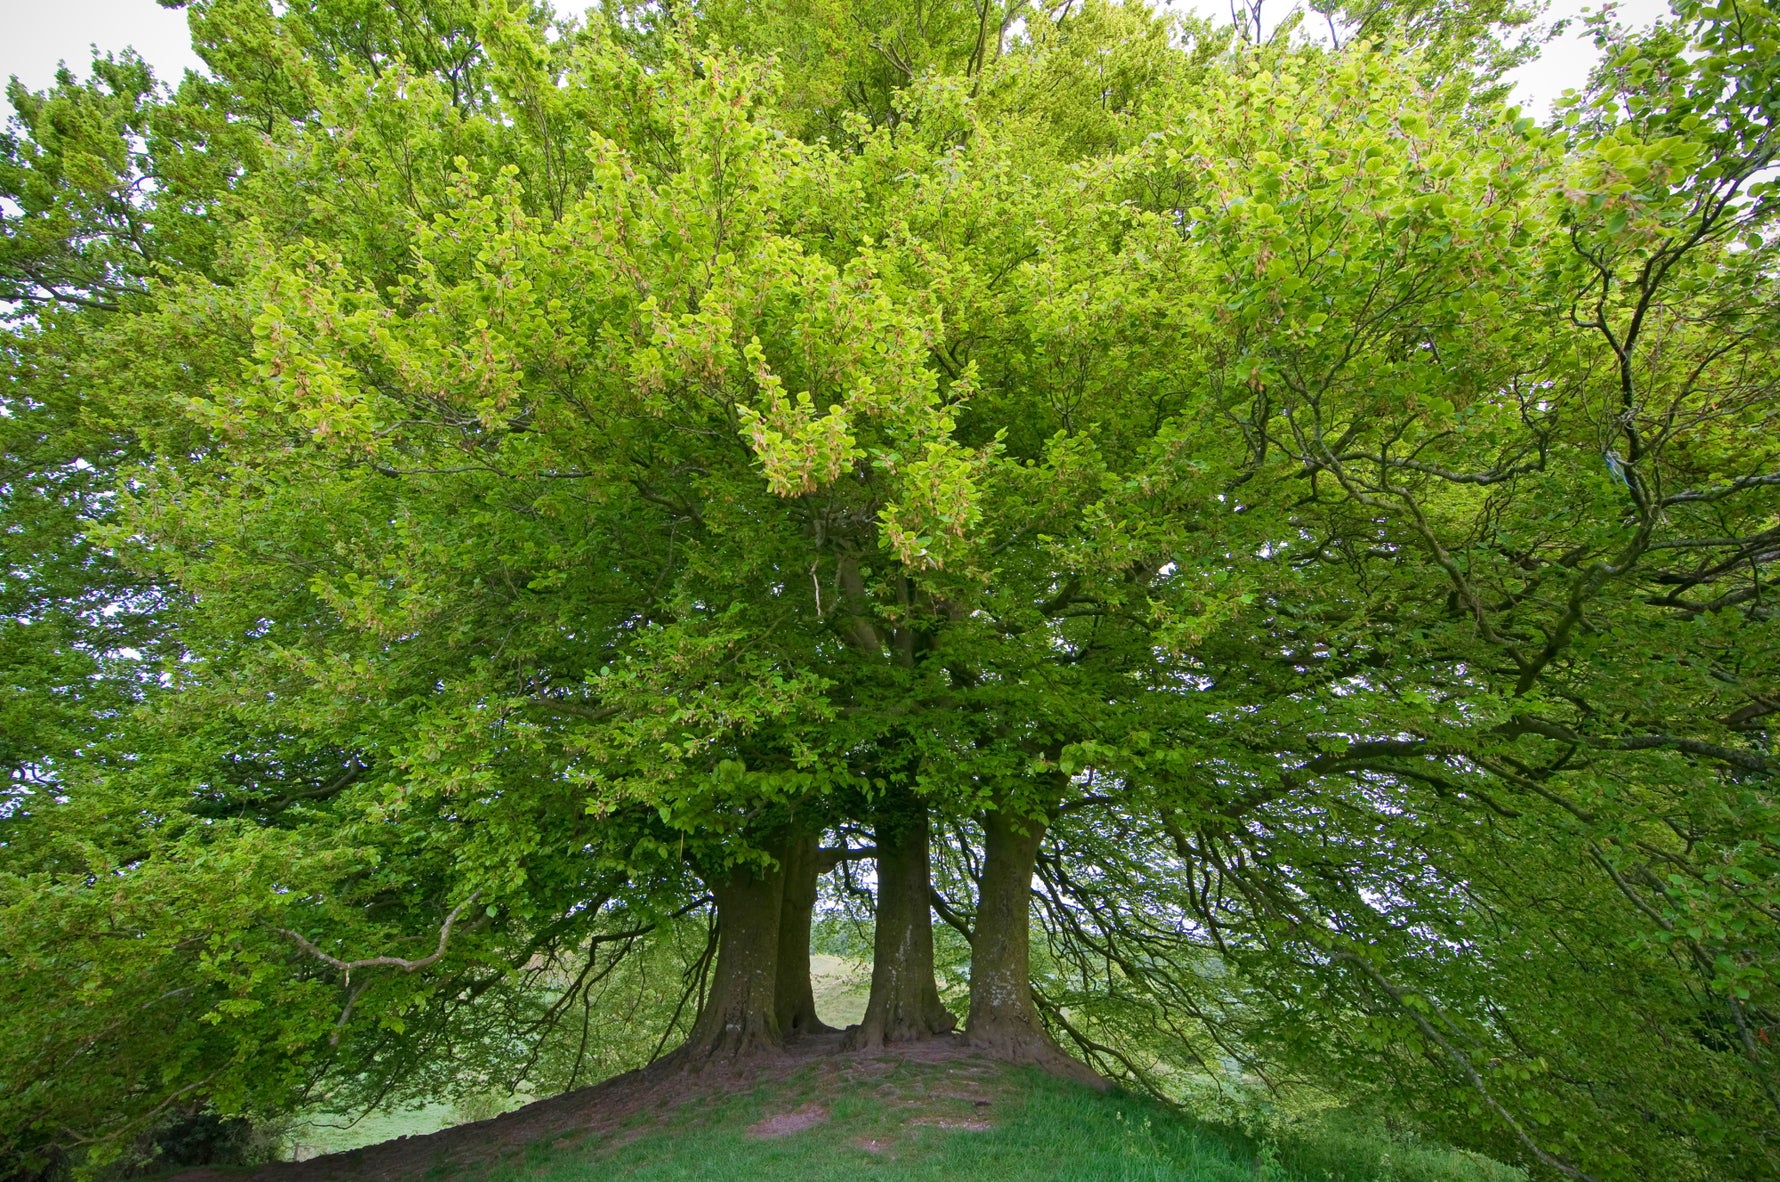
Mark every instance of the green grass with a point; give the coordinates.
(842, 986)
(890, 1127)
(332, 1133)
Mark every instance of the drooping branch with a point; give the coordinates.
(405, 964)
(1463, 1063)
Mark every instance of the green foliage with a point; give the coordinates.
(467, 476)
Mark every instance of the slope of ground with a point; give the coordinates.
(841, 986)
(818, 1115)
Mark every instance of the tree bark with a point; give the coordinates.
(904, 1004)
(795, 1000)
(1003, 1021)
(740, 1016)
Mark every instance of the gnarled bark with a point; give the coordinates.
(795, 1001)
(904, 1004)
(740, 1015)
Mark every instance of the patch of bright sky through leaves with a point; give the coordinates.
(40, 33)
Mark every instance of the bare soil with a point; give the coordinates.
(783, 1124)
(654, 1094)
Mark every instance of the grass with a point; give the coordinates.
(331, 1133)
(900, 1120)
(950, 1120)
(841, 986)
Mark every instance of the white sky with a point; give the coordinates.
(1563, 65)
(1565, 62)
(36, 34)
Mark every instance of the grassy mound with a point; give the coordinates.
(963, 1120)
(846, 1117)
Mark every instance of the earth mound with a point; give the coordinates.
(938, 1084)
(927, 1112)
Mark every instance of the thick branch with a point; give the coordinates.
(395, 962)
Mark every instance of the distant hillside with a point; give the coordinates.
(939, 1112)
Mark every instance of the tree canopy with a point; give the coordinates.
(1271, 545)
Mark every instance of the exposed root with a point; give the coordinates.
(876, 1034)
(1037, 1050)
(734, 1048)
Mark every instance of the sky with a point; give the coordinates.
(36, 34)
(1565, 62)
(1562, 65)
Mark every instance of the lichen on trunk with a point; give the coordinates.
(904, 1005)
(1004, 1021)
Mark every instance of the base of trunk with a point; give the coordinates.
(739, 1018)
(1032, 1046)
(1004, 1021)
(883, 1029)
(796, 1000)
(904, 1005)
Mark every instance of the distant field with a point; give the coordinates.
(841, 987)
(331, 1133)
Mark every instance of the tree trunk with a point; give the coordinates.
(1003, 1021)
(740, 1017)
(795, 1001)
(904, 1004)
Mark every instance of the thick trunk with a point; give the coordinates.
(904, 1004)
(1003, 1021)
(740, 1016)
(796, 1002)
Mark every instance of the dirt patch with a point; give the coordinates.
(786, 1123)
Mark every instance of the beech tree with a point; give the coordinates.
(1286, 536)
